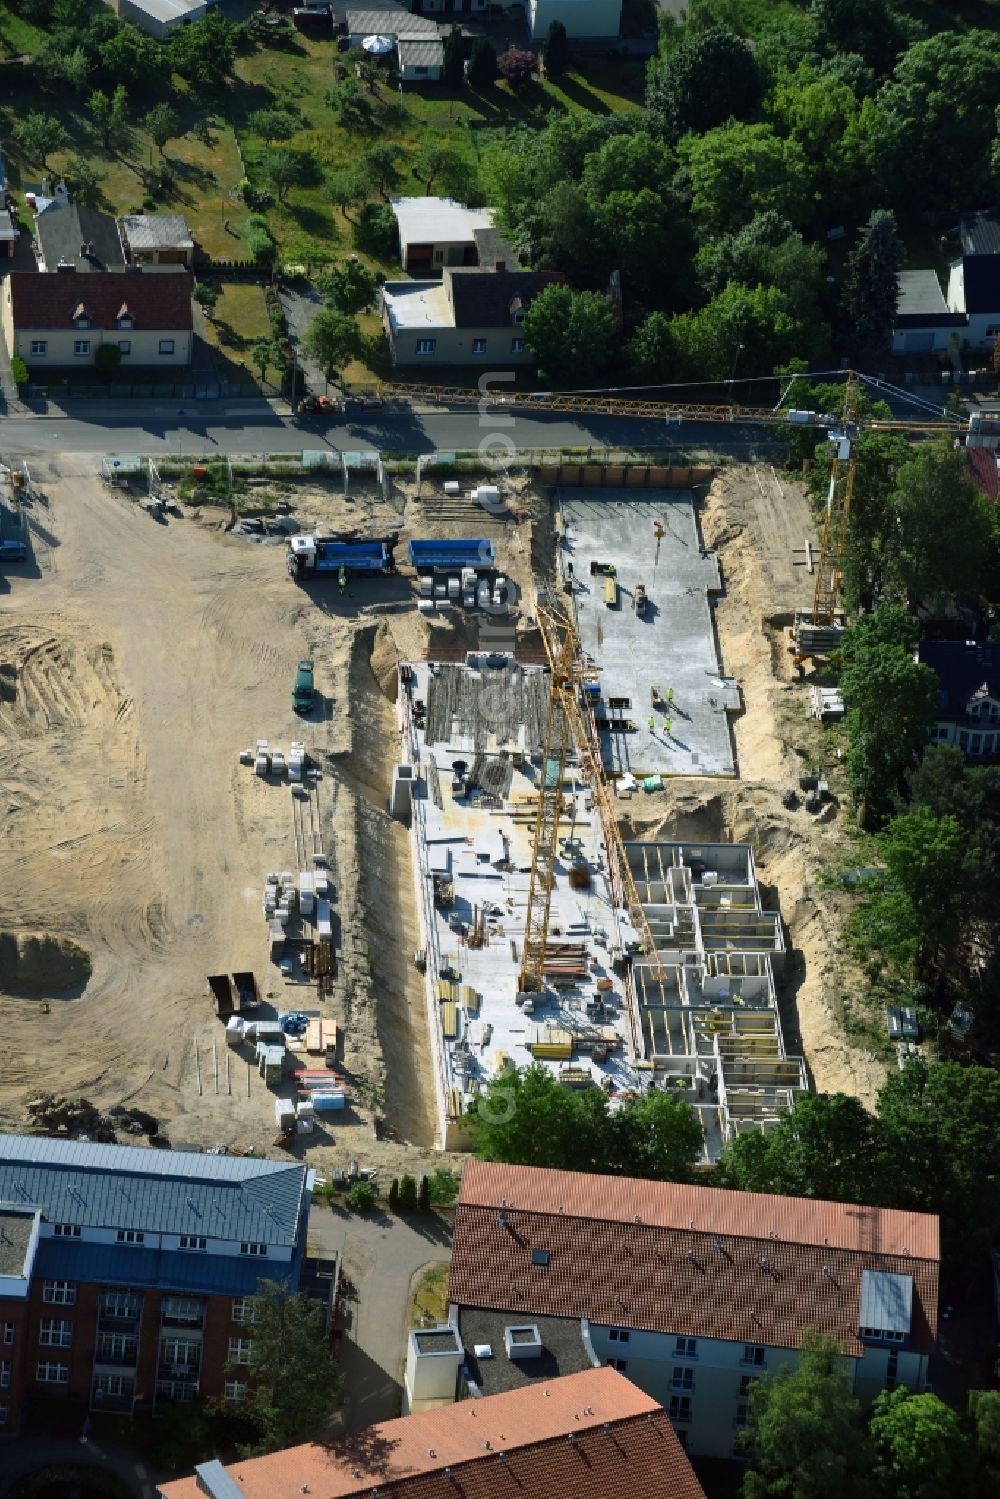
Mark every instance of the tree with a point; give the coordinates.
(376, 232)
(407, 1194)
(39, 136)
(627, 162)
(765, 252)
(129, 56)
(710, 76)
(347, 188)
(891, 702)
(294, 1381)
(444, 1186)
(441, 164)
(517, 67)
(942, 525)
(650, 351)
(394, 1195)
(806, 1438)
(286, 169)
(656, 1136)
(737, 170)
(333, 340)
(206, 294)
(824, 1147)
(926, 858)
(571, 331)
(921, 1450)
(424, 1196)
(984, 1410)
(752, 327)
(482, 67)
(354, 109)
(869, 27)
(108, 357)
(19, 371)
(871, 285)
(264, 353)
(271, 125)
(454, 58)
(349, 287)
(380, 165)
(205, 51)
(62, 66)
(163, 124)
(555, 52)
(83, 182)
(362, 1196)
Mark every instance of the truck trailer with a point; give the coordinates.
(312, 556)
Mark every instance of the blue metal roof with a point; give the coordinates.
(164, 1269)
(886, 1302)
(121, 1186)
(464, 552)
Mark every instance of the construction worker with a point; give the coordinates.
(342, 579)
(670, 695)
(652, 724)
(668, 724)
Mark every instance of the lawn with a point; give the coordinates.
(240, 316)
(429, 1302)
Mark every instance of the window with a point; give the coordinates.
(881, 1335)
(117, 1385)
(426, 345)
(180, 1353)
(81, 321)
(8, 1332)
(746, 1384)
(234, 1390)
(683, 1379)
(126, 320)
(120, 1306)
(59, 1293)
(244, 1311)
(239, 1350)
(193, 1241)
(517, 346)
(66, 1230)
(55, 1333)
(619, 1335)
(130, 1236)
(5, 1374)
(539, 1256)
(620, 1364)
(81, 347)
(117, 1348)
(186, 1310)
(3, 1415)
(125, 345)
(742, 1413)
(39, 347)
(176, 1389)
(52, 1373)
(754, 1354)
(166, 346)
(892, 1369)
(479, 346)
(686, 1348)
(248, 1247)
(438, 257)
(680, 1408)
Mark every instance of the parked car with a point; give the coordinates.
(304, 691)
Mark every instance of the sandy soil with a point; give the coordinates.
(133, 846)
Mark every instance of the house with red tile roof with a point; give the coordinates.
(691, 1292)
(63, 318)
(593, 1433)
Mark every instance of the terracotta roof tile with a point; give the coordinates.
(694, 1261)
(591, 1433)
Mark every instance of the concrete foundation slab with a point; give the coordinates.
(661, 664)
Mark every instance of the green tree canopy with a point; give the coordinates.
(163, 124)
(454, 58)
(555, 51)
(824, 1147)
(333, 340)
(943, 526)
(871, 285)
(271, 125)
(752, 327)
(710, 76)
(766, 252)
(483, 67)
(349, 287)
(294, 1380)
(921, 1450)
(571, 331)
(738, 170)
(40, 136)
(806, 1438)
(285, 169)
(444, 168)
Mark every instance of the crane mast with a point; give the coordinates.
(829, 567)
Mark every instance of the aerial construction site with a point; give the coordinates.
(537, 798)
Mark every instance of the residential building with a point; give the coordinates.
(64, 319)
(74, 238)
(157, 239)
(593, 1433)
(923, 322)
(581, 18)
(454, 7)
(470, 316)
(969, 702)
(160, 17)
(9, 232)
(421, 59)
(974, 279)
(435, 232)
(126, 1273)
(983, 470)
(690, 1291)
(389, 20)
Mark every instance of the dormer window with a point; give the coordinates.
(516, 311)
(81, 317)
(886, 1309)
(125, 318)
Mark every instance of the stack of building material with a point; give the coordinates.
(278, 763)
(449, 1020)
(329, 1100)
(270, 1062)
(324, 921)
(306, 892)
(262, 760)
(234, 1030)
(284, 1115)
(296, 760)
(551, 1044)
(314, 1037)
(305, 1116)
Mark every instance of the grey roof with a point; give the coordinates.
(8, 229)
(493, 245)
(157, 231)
(64, 227)
(482, 298)
(213, 1480)
(389, 21)
(122, 1186)
(980, 232)
(563, 1349)
(886, 1301)
(919, 292)
(421, 52)
(15, 1240)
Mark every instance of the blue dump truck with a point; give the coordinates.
(13, 551)
(436, 556)
(314, 556)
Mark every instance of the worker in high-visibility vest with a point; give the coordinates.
(342, 579)
(652, 724)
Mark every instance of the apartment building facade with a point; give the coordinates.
(690, 1292)
(126, 1274)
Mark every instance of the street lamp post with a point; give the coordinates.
(736, 360)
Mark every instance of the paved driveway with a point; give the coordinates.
(382, 1254)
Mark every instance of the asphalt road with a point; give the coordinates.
(150, 428)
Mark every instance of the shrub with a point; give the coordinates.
(108, 357)
(424, 1199)
(19, 370)
(408, 1194)
(261, 245)
(362, 1197)
(394, 1195)
(376, 231)
(444, 1186)
(517, 67)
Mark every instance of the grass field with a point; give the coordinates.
(240, 316)
(429, 1302)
